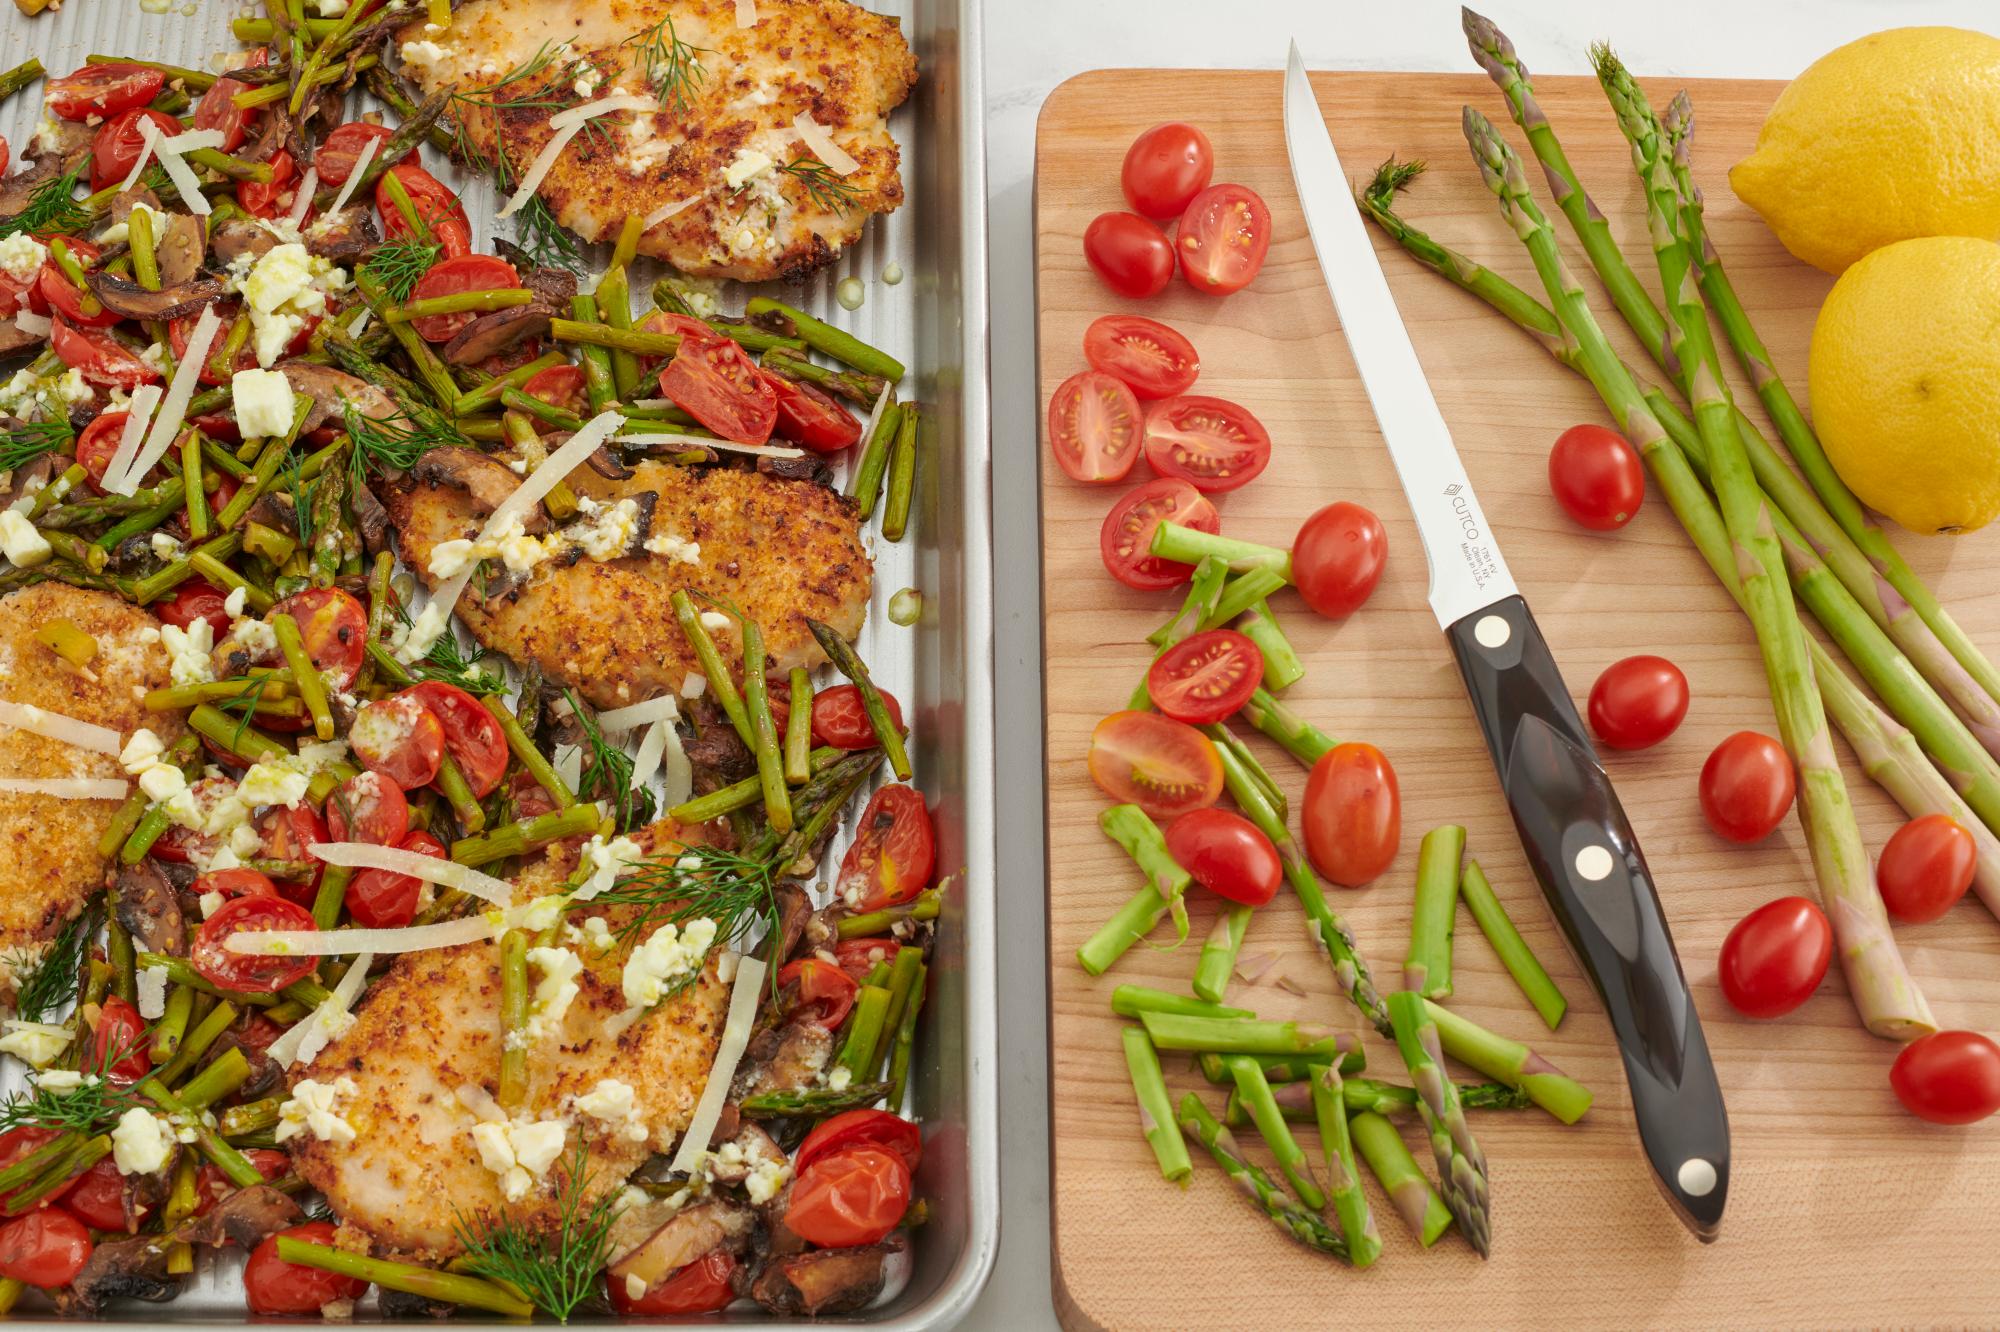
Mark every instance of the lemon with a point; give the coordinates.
(1905, 381)
(1892, 136)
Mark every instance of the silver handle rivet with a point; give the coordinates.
(1593, 863)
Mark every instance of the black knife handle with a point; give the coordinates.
(1588, 861)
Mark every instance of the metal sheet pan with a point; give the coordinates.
(935, 320)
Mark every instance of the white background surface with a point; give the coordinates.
(1033, 45)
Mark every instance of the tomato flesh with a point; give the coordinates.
(334, 628)
(119, 1048)
(121, 139)
(100, 358)
(715, 381)
(384, 899)
(453, 277)
(1094, 427)
(1210, 443)
(342, 148)
(472, 735)
(840, 719)
(1165, 168)
(1131, 254)
(98, 1198)
(1227, 854)
(103, 89)
(1353, 814)
(1126, 540)
(46, 1248)
(1775, 957)
(810, 417)
(1926, 866)
(1163, 766)
(849, 1198)
(1596, 476)
(850, 1128)
(252, 973)
(826, 993)
(893, 852)
(269, 198)
(1337, 558)
(1205, 677)
(432, 201)
(196, 599)
(1948, 1077)
(705, 1285)
(1153, 360)
(367, 807)
(400, 738)
(273, 1286)
(1638, 702)
(1747, 784)
(1223, 236)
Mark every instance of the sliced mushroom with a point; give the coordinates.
(133, 1268)
(149, 911)
(491, 334)
(275, 509)
(14, 339)
(811, 469)
(485, 482)
(59, 148)
(135, 302)
(27, 478)
(331, 390)
(275, 128)
(825, 1281)
(787, 1058)
(179, 250)
(241, 236)
(370, 519)
(684, 1238)
(244, 1218)
(345, 235)
(122, 204)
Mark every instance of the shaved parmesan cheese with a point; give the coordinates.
(568, 761)
(189, 140)
(667, 210)
(67, 788)
(366, 855)
(54, 725)
(822, 145)
(746, 13)
(182, 175)
(664, 708)
(704, 442)
(875, 414)
(335, 943)
(302, 198)
(680, 769)
(138, 413)
(187, 378)
(646, 761)
(304, 1040)
(149, 139)
(31, 323)
(603, 106)
(152, 987)
(531, 179)
(355, 172)
(743, 1003)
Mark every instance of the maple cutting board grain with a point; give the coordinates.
(1843, 1209)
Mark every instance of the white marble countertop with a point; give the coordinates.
(1033, 45)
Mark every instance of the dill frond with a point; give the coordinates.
(673, 67)
(400, 263)
(607, 773)
(823, 186)
(53, 206)
(389, 445)
(559, 1271)
(90, 1107)
(56, 978)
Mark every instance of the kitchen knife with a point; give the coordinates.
(1575, 834)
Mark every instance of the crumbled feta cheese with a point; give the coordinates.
(606, 860)
(232, 605)
(273, 782)
(635, 1286)
(674, 547)
(165, 548)
(424, 53)
(38, 1043)
(610, 1100)
(511, 545)
(693, 685)
(61, 1079)
(767, 1178)
(587, 78)
(264, 402)
(254, 636)
(140, 1145)
(315, 1107)
(23, 546)
(414, 641)
(671, 954)
(281, 289)
(22, 256)
(152, 986)
(744, 167)
(332, 8)
(714, 620)
(519, 1151)
(212, 902)
(556, 990)
(597, 936)
(608, 533)
(34, 397)
(188, 652)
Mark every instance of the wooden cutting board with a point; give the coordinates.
(1843, 1208)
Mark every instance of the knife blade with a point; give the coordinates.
(1575, 834)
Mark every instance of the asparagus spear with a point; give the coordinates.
(1292, 1160)
(1396, 1171)
(1218, 954)
(1510, 1062)
(1513, 950)
(1301, 1225)
(850, 665)
(1253, 1036)
(812, 1102)
(1427, 968)
(1350, 1204)
(1132, 1000)
(1296, 1103)
(1140, 838)
(1461, 1165)
(1156, 1115)
(1300, 738)
(1287, 1067)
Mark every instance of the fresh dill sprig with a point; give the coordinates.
(30, 440)
(53, 206)
(559, 1271)
(90, 1107)
(244, 701)
(449, 662)
(391, 444)
(400, 263)
(823, 186)
(302, 492)
(543, 239)
(607, 773)
(735, 891)
(507, 94)
(57, 976)
(673, 67)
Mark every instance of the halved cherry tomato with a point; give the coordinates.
(1094, 427)
(334, 626)
(1165, 168)
(98, 1198)
(273, 1286)
(558, 386)
(25, 1141)
(103, 90)
(342, 147)
(100, 358)
(528, 796)
(840, 720)
(1224, 234)
(1210, 443)
(857, 957)
(1948, 1077)
(252, 973)
(850, 1198)
(825, 992)
(96, 447)
(1775, 957)
(118, 1045)
(811, 418)
(451, 277)
(1131, 254)
(1127, 535)
(217, 109)
(1638, 702)
(121, 139)
(400, 738)
(383, 899)
(62, 297)
(1926, 866)
(368, 808)
(1151, 359)
(715, 382)
(1353, 814)
(471, 734)
(4, 155)
(893, 852)
(211, 1186)
(181, 846)
(268, 199)
(1596, 477)
(237, 882)
(856, 1128)
(432, 200)
(1746, 786)
(289, 832)
(1165, 767)
(1227, 854)
(1337, 558)
(196, 599)
(680, 325)
(45, 1248)
(1205, 677)
(705, 1285)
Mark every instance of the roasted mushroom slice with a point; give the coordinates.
(482, 480)
(13, 338)
(149, 909)
(180, 249)
(239, 236)
(136, 302)
(491, 334)
(825, 1281)
(343, 236)
(684, 1238)
(245, 1218)
(331, 391)
(133, 1269)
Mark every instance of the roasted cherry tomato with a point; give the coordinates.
(840, 720)
(100, 358)
(273, 197)
(825, 992)
(400, 738)
(196, 599)
(1227, 854)
(530, 800)
(715, 381)
(1165, 767)
(1775, 957)
(849, 1198)
(1205, 677)
(1595, 475)
(1638, 702)
(1353, 814)
(1131, 254)
(705, 1285)
(212, 1186)
(289, 833)
(893, 852)
(1926, 866)
(217, 109)
(1165, 168)
(98, 1198)
(273, 1286)
(118, 1045)
(1223, 237)
(1210, 443)
(1337, 558)
(4, 156)
(252, 973)
(856, 1128)
(63, 298)
(1746, 786)
(811, 417)
(368, 807)
(454, 277)
(472, 735)
(558, 386)
(1126, 538)
(121, 139)
(237, 882)
(342, 147)
(1948, 1077)
(103, 90)
(95, 448)
(857, 957)
(45, 1248)
(432, 200)
(334, 627)
(1153, 360)
(385, 900)
(1094, 427)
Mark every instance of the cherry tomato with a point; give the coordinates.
(840, 720)
(472, 736)
(118, 1047)
(238, 882)
(1227, 854)
(19, 1143)
(211, 1186)
(680, 326)
(366, 808)
(273, 1286)
(1165, 767)
(1205, 677)
(63, 298)
(1746, 786)
(715, 381)
(1948, 1077)
(1595, 475)
(1094, 427)
(98, 1198)
(1165, 168)
(252, 973)
(432, 200)
(1638, 702)
(100, 358)
(121, 139)
(849, 1198)
(1353, 814)
(530, 800)
(893, 852)
(213, 370)
(1210, 443)
(1926, 867)
(1337, 558)
(1132, 255)
(559, 386)
(385, 900)
(452, 277)
(857, 957)
(1775, 957)
(825, 992)
(289, 832)
(342, 147)
(810, 417)
(1223, 237)
(196, 599)
(269, 198)
(180, 846)
(1127, 535)
(1153, 360)
(334, 627)
(4, 155)
(45, 1248)
(400, 738)
(103, 90)
(856, 1128)
(705, 1285)
(217, 109)
(96, 447)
